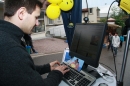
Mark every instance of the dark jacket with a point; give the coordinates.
(110, 38)
(16, 66)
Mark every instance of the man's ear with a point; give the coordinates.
(21, 13)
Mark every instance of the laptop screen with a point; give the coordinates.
(74, 62)
(87, 42)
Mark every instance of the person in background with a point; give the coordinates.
(121, 40)
(110, 41)
(28, 42)
(115, 43)
(16, 65)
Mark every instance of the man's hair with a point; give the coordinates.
(11, 6)
(116, 32)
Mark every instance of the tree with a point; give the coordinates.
(118, 15)
(103, 20)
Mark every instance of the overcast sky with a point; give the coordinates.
(103, 5)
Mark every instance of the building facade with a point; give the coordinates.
(92, 13)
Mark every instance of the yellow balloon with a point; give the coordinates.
(66, 5)
(53, 11)
(54, 1)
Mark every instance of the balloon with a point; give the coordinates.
(54, 1)
(66, 5)
(53, 11)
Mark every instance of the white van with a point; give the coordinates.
(56, 31)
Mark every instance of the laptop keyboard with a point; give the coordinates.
(76, 78)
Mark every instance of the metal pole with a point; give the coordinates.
(124, 59)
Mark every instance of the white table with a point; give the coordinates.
(99, 80)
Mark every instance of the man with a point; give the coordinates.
(16, 65)
(115, 43)
(110, 41)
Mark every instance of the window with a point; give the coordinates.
(90, 10)
(50, 21)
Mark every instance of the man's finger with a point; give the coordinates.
(67, 70)
(57, 62)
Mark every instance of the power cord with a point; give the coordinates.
(105, 74)
(108, 67)
(115, 67)
(107, 26)
(86, 19)
(109, 10)
(87, 7)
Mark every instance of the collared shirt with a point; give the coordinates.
(115, 41)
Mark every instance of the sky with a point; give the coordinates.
(103, 5)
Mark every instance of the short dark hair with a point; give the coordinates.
(11, 6)
(116, 32)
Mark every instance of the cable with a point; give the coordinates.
(107, 26)
(109, 10)
(104, 73)
(115, 67)
(108, 67)
(86, 19)
(87, 7)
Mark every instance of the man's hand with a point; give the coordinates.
(62, 68)
(54, 64)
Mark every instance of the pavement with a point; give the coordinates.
(47, 45)
(37, 36)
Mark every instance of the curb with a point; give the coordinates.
(36, 55)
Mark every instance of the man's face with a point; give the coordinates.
(31, 20)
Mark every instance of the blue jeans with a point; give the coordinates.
(114, 51)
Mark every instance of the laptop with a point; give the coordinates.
(75, 77)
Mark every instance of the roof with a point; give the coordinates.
(85, 10)
(114, 25)
(111, 20)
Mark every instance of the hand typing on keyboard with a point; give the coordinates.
(76, 78)
(55, 65)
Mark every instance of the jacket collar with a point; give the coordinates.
(11, 29)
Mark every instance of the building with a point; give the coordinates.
(51, 25)
(92, 13)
